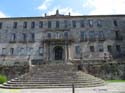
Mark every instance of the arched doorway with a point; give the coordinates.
(58, 51)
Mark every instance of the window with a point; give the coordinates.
(99, 23)
(30, 50)
(33, 25)
(4, 51)
(77, 49)
(118, 48)
(49, 35)
(15, 25)
(24, 36)
(25, 25)
(100, 48)
(101, 35)
(91, 35)
(11, 51)
(83, 35)
(109, 48)
(115, 23)
(81, 23)
(49, 24)
(65, 35)
(90, 23)
(32, 37)
(74, 24)
(0, 25)
(13, 37)
(57, 24)
(92, 49)
(40, 51)
(65, 24)
(41, 24)
(21, 51)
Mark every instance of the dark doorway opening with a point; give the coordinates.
(58, 53)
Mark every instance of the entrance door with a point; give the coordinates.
(58, 53)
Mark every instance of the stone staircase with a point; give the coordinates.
(54, 76)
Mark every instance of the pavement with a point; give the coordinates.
(108, 88)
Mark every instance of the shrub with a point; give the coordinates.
(3, 79)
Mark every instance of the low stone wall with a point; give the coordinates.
(13, 71)
(107, 71)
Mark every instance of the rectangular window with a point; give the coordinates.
(118, 48)
(25, 25)
(81, 23)
(65, 35)
(15, 25)
(115, 23)
(57, 24)
(30, 51)
(83, 35)
(92, 49)
(92, 35)
(99, 23)
(65, 24)
(11, 51)
(74, 24)
(77, 50)
(0, 25)
(32, 36)
(49, 24)
(13, 37)
(33, 25)
(49, 35)
(3, 51)
(41, 24)
(90, 23)
(100, 48)
(101, 35)
(22, 51)
(41, 51)
(24, 36)
(109, 48)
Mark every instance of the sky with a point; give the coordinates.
(23, 8)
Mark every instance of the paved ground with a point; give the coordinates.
(109, 88)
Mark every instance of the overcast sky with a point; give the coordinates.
(19, 8)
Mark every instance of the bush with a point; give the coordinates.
(3, 79)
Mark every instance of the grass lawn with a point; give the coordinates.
(111, 81)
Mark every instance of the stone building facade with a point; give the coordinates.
(61, 38)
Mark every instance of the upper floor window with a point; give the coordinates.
(33, 25)
(77, 49)
(66, 34)
(25, 25)
(4, 51)
(91, 35)
(49, 35)
(101, 35)
(65, 24)
(24, 36)
(32, 36)
(40, 51)
(30, 50)
(99, 23)
(0, 25)
(74, 24)
(83, 35)
(15, 25)
(49, 24)
(41, 24)
(57, 24)
(13, 37)
(81, 23)
(11, 51)
(22, 51)
(115, 22)
(92, 49)
(90, 23)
